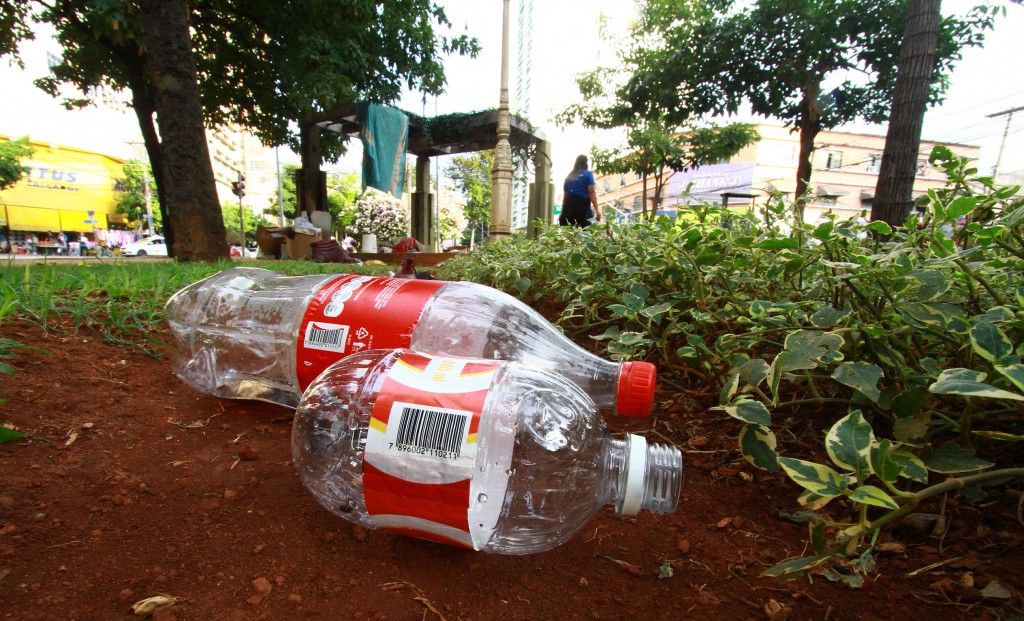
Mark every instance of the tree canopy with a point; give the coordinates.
(781, 57)
(655, 142)
(261, 64)
(11, 154)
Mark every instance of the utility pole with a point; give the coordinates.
(238, 189)
(1006, 131)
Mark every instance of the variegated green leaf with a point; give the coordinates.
(795, 567)
(633, 338)
(911, 466)
(951, 458)
(657, 309)
(968, 383)
(961, 206)
(808, 348)
(754, 371)
(881, 464)
(848, 442)
(815, 478)
(860, 376)
(1014, 373)
(813, 501)
(933, 283)
(827, 316)
(729, 389)
(871, 495)
(990, 342)
(997, 314)
(775, 373)
(748, 411)
(757, 444)
(924, 314)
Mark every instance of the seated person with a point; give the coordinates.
(407, 244)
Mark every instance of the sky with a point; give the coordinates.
(987, 81)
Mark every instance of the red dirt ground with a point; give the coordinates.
(129, 485)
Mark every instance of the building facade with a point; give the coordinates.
(65, 189)
(844, 174)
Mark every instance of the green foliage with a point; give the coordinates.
(11, 154)
(471, 174)
(906, 349)
(284, 59)
(692, 59)
(230, 213)
(132, 200)
(343, 190)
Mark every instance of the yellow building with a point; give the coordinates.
(65, 189)
(844, 173)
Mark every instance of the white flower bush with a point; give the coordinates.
(381, 214)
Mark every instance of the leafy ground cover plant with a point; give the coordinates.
(894, 355)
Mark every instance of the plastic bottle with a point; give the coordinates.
(250, 333)
(490, 455)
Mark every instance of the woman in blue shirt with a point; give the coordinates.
(578, 195)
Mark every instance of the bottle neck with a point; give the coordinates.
(641, 476)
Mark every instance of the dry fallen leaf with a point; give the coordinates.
(145, 607)
(776, 611)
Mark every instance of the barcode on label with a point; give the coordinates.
(438, 431)
(327, 336)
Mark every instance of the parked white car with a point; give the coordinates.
(150, 246)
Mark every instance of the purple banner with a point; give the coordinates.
(710, 182)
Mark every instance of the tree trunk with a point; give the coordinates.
(192, 211)
(142, 103)
(810, 126)
(894, 191)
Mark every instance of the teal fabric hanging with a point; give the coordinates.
(384, 132)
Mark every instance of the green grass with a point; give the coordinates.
(122, 300)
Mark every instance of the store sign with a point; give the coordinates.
(708, 183)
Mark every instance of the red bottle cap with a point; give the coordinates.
(636, 389)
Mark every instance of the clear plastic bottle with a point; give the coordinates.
(250, 333)
(490, 455)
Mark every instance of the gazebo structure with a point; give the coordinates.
(443, 135)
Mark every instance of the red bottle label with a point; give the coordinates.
(353, 313)
(420, 474)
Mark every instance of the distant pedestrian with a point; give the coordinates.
(578, 194)
(30, 243)
(62, 241)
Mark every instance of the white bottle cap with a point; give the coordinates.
(636, 472)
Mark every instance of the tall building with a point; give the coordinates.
(524, 69)
(234, 152)
(845, 171)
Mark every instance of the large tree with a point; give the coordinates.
(781, 57)
(894, 189)
(655, 143)
(11, 154)
(196, 229)
(262, 64)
